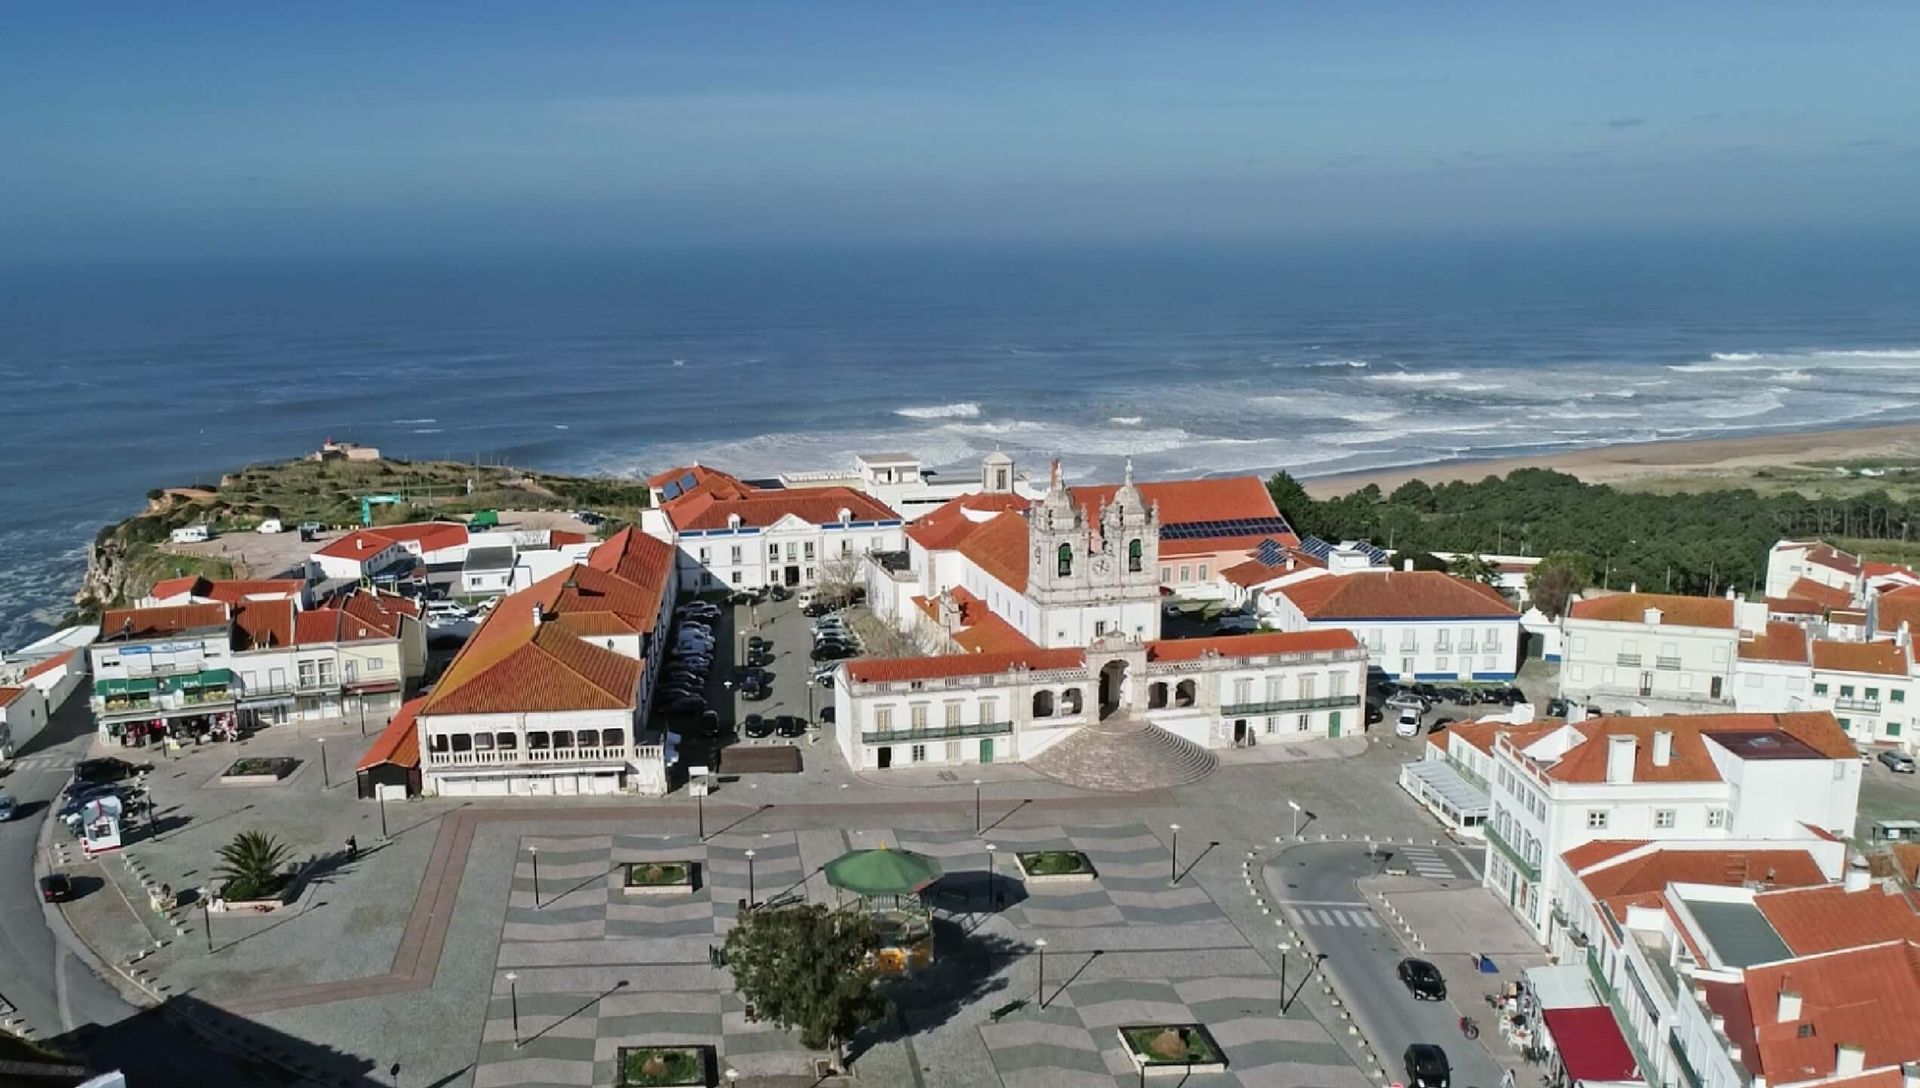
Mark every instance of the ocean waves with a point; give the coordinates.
(963, 410)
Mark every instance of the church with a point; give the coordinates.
(1045, 616)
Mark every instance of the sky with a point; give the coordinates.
(264, 129)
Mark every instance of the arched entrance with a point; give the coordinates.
(1116, 689)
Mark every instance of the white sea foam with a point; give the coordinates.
(1479, 387)
(962, 410)
(1417, 377)
(428, 430)
(1356, 364)
(415, 422)
(1126, 421)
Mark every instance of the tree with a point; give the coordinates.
(1556, 579)
(1473, 568)
(251, 864)
(1423, 561)
(839, 577)
(1294, 504)
(808, 968)
(1413, 493)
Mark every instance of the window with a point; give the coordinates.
(1899, 695)
(1441, 664)
(1302, 723)
(846, 546)
(1135, 555)
(734, 554)
(1893, 729)
(1492, 641)
(1203, 572)
(1846, 691)
(1716, 817)
(1099, 628)
(375, 664)
(1873, 694)
(986, 711)
(538, 741)
(563, 738)
(1336, 684)
(613, 738)
(883, 718)
(1186, 575)
(1166, 574)
(790, 551)
(1846, 724)
(773, 552)
(506, 742)
(807, 551)
(1065, 564)
(1306, 685)
(952, 711)
(587, 738)
(483, 742)
(919, 753)
(1596, 819)
(1270, 725)
(1663, 818)
(1819, 689)
(705, 554)
(917, 716)
(1273, 688)
(953, 751)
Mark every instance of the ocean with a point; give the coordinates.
(1318, 358)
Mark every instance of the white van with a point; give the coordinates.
(271, 525)
(192, 534)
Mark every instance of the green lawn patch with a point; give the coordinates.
(1171, 1045)
(655, 1066)
(1055, 863)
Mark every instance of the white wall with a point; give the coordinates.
(22, 719)
(1598, 658)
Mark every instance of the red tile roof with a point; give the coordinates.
(1878, 658)
(1827, 918)
(431, 536)
(1826, 596)
(761, 508)
(399, 742)
(41, 668)
(1894, 608)
(641, 559)
(981, 629)
(1259, 644)
(262, 625)
(1589, 854)
(1674, 609)
(8, 695)
(1795, 606)
(1625, 882)
(119, 623)
(561, 538)
(1381, 594)
(879, 670)
(946, 525)
(999, 547)
(521, 668)
(1221, 499)
(359, 545)
(706, 481)
(581, 592)
(1906, 858)
(1831, 557)
(1866, 997)
(228, 590)
(1253, 572)
(322, 626)
(1480, 734)
(1690, 760)
(1783, 642)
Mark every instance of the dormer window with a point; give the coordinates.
(733, 521)
(846, 515)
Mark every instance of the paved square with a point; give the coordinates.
(597, 969)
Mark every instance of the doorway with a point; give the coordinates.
(1242, 736)
(1115, 691)
(1646, 684)
(884, 757)
(792, 576)
(986, 750)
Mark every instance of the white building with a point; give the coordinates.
(23, 714)
(56, 664)
(157, 667)
(351, 659)
(1695, 777)
(1415, 625)
(550, 695)
(1793, 565)
(198, 589)
(1665, 651)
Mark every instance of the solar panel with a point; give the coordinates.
(688, 483)
(1200, 530)
(671, 491)
(1271, 553)
(1316, 547)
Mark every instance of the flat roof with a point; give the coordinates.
(1739, 933)
(1763, 744)
(885, 458)
(500, 558)
(1456, 793)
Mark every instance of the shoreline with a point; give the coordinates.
(1733, 459)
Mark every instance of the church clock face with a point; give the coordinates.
(1102, 566)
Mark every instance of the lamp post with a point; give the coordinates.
(700, 809)
(206, 914)
(513, 997)
(1284, 948)
(535, 852)
(1040, 991)
(750, 896)
(326, 779)
(993, 877)
(380, 796)
(976, 806)
(1173, 856)
(1295, 806)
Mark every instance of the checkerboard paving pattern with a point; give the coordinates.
(597, 969)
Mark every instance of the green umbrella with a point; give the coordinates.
(882, 872)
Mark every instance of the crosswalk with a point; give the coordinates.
(1427, 862)
(1356, 916)
(45, 761)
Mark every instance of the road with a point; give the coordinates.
(1362, 953)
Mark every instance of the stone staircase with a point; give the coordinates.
(1124, 755)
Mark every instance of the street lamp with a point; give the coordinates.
(1173, 856)
(700, 808)
(380, 795)
(326, 779)
(206, 914)
(976, 806)
(1284, 948)
(1295, 806)
(1040, 991)
(513, 996)
(535, 851)
(993, 876)
(750, 896)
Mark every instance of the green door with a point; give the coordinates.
(986, 750)
(1333, 724)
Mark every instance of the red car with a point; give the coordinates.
(56, 888)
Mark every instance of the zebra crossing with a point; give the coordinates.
(1426, 861)
(44, 761)
(1337, 916)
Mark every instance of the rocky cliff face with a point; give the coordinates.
(106, 582)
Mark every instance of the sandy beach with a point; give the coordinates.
(1733, 460)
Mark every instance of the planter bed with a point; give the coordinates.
(258, 770)
(657, 877)
(1172, 1049)
(664, 1066)
(1055, 867)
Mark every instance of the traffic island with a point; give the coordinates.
(1055, 867)
(258, 770)
(658, 878)
(665, 1066)
(1172, 1050)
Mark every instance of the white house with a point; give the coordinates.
(1870, 688)
(1415, 625)
(1663, 650)
(1793, 565)
(198, 589)
(353, 658)
(23, 714)
(1691, 776)
(732, 534)
(362, 553)
(56, 664)
(158, 667)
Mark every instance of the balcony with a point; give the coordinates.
(1629, 661)
(1325, 702)
(1514, 857)
(1848, 702)
(1669, 663)
(936, 732)
(501, 757)
(1680, 1061)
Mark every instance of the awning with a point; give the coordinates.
(125, 687)
(1454, 793)
(370, 687)
(1563, 987)
(1590, 1045)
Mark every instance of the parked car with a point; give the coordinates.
(756, 726)
(1422, 979)
(1439, 724)
(1897, 762)
(817, 608)
(56, 888)
(686, 704)
(7, 807)
(1406, 700)
(826, 715)
(759, 660)
(1427, 1066)
(832, 651)
(789, 725)
(1408, 724)
(754, 691)
(1556, 708)
(709, 724)
(1374, 714)
(107, 770)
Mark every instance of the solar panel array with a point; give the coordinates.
(1201, 530)
(677, 488)
(1271, 552)
(1320, 549)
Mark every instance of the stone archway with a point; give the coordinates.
(1116, 688)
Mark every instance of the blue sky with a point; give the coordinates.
(265, 128)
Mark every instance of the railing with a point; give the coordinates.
(936, 732)
(1680, 1061)
(1629, 660)
(1672, 695)
(1848, 702)
(1666, 662)
(501, 756)
(318, 683)
(1519, 861)
(1325, 702)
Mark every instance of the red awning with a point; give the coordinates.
(1590, 1044)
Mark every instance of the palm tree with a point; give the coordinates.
(251, 864)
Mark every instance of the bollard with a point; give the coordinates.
(1351, 1030)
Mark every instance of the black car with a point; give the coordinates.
(1439, 725)
(709, 724)
(780, 593)
(759, 659)
(686, 705)
(831, 651)
(1374, 714)
(817, 608)
(788, 725)
(1427, 1066)
(757, 727)
(1456, 696)
(755, 692)
(56, 888)
(1422, 979)
(107, 770)
(826, 715)
(756, 644)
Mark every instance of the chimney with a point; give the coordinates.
(1406, 564)
(1576, 713)
(1731, 596)
(1910, 1075)
(1789, 1009)
(1903, 638)
(538, 617)
(1850, 1059)
(1662, 747)
(1620, 753)
(1651, 616)
(1859, 876)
